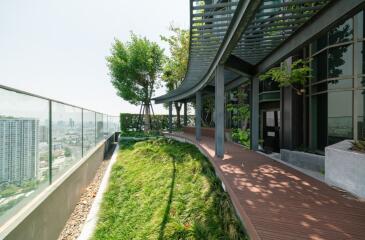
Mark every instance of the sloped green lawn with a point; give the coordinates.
(163, 189)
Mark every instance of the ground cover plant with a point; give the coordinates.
(163, 189)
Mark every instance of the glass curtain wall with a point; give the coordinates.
(336, 89)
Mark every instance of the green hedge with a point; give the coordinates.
(129, 122)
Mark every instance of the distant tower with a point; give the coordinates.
(18, 149)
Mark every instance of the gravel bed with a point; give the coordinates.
(76, 221)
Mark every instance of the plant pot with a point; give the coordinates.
(345, 168)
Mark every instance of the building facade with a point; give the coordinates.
(18, 149)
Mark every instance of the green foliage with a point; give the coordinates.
(68, 152)
(359, 146)
(163, 189)
(208, 109)
(176, 65)
(241, 136)
(240, 109)
(134, 67)
(290, 76)
(7, 190)
(129, 122)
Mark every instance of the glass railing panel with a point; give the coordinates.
(105, 126)
(66, 137)
(89, 130)
(99, 127)
(24, 150)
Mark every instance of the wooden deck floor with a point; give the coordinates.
(277, 202)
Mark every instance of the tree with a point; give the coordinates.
(134, 68)
(291, 75)
(176, 65)
(240, 110)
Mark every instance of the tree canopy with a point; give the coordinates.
(134, 68)
(176, 65)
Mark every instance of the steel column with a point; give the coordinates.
(198, 114)
(185, 114)
(255, 113)
(170, 117)
(219, 111)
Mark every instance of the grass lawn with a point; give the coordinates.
(163, 189)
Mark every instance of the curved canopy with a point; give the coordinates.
(248, 29)
(209, 22)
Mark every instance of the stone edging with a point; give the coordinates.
(92, 218)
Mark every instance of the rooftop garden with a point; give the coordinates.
(163, 189)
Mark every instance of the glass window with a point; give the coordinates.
(319, 44)
(340, 84)
(340, 61)
(269, 85)
(89, 130)
(24, 150)
(319, 67)
(339, 116)
(360, 27)
(318, 116)
(360, 114)
(342, 33)
(66, 137)
(270, 119)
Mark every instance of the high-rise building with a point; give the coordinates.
(18, 149)
(43, 133)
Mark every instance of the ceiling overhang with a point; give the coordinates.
(250, 36)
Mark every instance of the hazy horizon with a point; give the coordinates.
(57, 49)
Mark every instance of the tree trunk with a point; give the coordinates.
(178, 108)
(147, 117)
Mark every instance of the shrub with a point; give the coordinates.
(358, 146)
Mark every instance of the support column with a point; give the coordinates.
(198, 115)
(170, 117)
(185, 114)
(255, 81)
(219, 111)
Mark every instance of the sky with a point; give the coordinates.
(57, 49)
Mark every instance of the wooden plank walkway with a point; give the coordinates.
(277, 202)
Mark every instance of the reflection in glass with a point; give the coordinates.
(340, 61)
(319, 67)
(341, 33)
(340, 84)
(66, 137)
(24, 149)
(339, 116)
(89, 130)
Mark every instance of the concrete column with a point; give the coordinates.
(198, 115)
(185, 114)
(219, 111)
(170, 117)
(255, 82)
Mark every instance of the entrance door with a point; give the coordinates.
(271, 130)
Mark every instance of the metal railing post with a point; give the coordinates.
(82, 132)
(50, 141)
